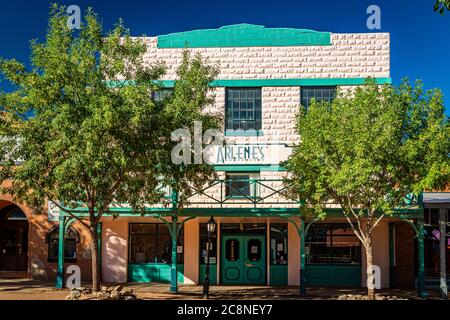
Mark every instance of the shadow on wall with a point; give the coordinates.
(38, 266)
(114, 252)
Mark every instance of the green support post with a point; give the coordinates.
(60, 271)
(302, 289)
(422, 293)
(99, 243)
(174, 235)
(173, 268)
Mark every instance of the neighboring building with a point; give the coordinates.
(265, 74)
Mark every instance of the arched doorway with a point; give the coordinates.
(13, 238)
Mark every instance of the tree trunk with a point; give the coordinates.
(94, 256)
(369, 271)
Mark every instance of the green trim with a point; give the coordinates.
(269, 82)
(329, 275)
(278, 275)
(242, 212)
(243, 133)
(99, 247)
(212, 274)
(248, 167)
(244, 35)
(296, 82)
(391, 254)
(153, 272)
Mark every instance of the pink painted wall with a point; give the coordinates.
(380, 242)
(114, 250)
(191, 251)
(293, 256)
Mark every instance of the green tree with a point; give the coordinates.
(441, 6)
(367, 150)
(70, 137)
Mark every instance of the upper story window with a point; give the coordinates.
(243, 109)
(162, 94)
(318, 93)
(241, 185)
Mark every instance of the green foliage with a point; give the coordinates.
(441, 6)
(82, 141)
(369, 149)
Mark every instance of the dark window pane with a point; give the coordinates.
(278, 243)
(204, 247)
(237, 185)
(162, 94)
(332, 243)
(243, 108)
(152, 243)
(326, 94)
(232, 250)
(70, 245)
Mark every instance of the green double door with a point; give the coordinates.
(243, 259)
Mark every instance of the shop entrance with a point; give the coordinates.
(243, 259)
(13, 238)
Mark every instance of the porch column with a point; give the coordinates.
(442, 252)
(302, 289)
(60, 270)
(421, 273)
(173, 268)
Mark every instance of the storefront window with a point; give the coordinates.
(70, 245)
(332, 243)
(152, 243)
(203, 246)
(278, 243)
(432, 242)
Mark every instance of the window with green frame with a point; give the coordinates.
(240, 185)
(152, 243)
(322, 93)
(162, 94)
(243, 109)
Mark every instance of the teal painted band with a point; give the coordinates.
(244, 133)
(271, 82)
(244, 35)
(287, 82)
(246, 168)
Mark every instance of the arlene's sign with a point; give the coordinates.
(249, 154)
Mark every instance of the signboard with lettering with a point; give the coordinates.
(249, 154)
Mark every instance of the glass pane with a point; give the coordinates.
(254, 249)
(240, 108)
(232, 250)
(143, 249)
(70, 249)
(143, 228)
(203, 245)
(278, 243)
(318, 244)
(237, 185)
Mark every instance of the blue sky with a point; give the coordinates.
(420, 38)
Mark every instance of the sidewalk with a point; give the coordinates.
(24, 289)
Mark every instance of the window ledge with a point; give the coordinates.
(243, 133)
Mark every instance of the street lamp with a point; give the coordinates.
(210, 227)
